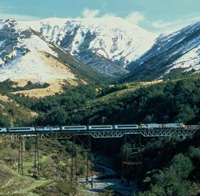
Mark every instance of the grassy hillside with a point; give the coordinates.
(81, 70)
(55, 169)
(163, 172)
(136, 102)
(162, 102)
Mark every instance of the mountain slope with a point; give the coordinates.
(176, 53)
(106, 44)
(21, 53)
(25, 54)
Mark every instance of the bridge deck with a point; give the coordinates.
(105, 133)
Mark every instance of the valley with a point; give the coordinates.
(98, 71)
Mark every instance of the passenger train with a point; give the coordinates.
(94, 127)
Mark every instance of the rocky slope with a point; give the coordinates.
(106, 44)
(174, 54)
(113, 47)
(25, 54)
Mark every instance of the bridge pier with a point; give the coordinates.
(131, 156)
(36, 172)
(72, 162)
(85, 142)
(20, 156)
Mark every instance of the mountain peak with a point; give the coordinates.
(112, 38)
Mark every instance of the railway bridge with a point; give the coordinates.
(131, 159)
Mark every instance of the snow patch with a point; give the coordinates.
(113, 36)
(30, 66)
(2, 43)
(36, 43)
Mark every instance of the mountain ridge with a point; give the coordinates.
(106, 47)
(112, 38)
(25, 54)
(176, 52)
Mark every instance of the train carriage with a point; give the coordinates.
(48, 128)
(73, 128)
(173, 125)
(3, 130)
(125, 127)
(151, 126)
(21, 129)
(99, 127)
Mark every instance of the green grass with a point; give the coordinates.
(120, 94)
(11, 181)
(37, 183)
(43, 159)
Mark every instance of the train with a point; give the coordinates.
(94, 127)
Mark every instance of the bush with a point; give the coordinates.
(172, 180)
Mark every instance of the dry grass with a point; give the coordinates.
(56, 87)
(59, 67)
(7, 103)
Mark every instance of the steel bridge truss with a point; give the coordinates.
(143, 132)
(36, 166)
(131, 156)
(36, 169)
(82, 144)
(20, 156)
(166, 132)
(100, 133)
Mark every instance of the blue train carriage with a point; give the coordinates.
(48, 128)
(151, 126)
(126, 127)
(99, 127)
(21, 129)
(74, 128)
(174, 126)
(3, 129)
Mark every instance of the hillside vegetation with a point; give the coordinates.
(158, 102)
(55, 160)
(170, 166)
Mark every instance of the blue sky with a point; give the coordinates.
(153, 15)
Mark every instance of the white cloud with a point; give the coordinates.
(89, 13)
(159, 24)
(135, 18)
(169, 26)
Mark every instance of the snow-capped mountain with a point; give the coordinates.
(174, 54)
(23, 54)
(106, 44)
(113, 46)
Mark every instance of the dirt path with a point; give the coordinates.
(36, 184)
(7, 184)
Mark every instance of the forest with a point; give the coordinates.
(171, 165)
(168, 101)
